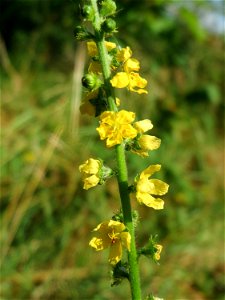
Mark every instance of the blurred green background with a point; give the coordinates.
(46, 216)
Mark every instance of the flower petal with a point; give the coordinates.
(91, 181)
(120, 80)
(143, 125)
(125, 239)
(150, 170)
(99, 244)
(92, 48)
(91, 166)
(149, 142)
(158, 187)
(137, 81)
(95, 67)
(131, 64)
(124, 54)
(125, 117)
(117, 226)
(115, 253)
(150, 201)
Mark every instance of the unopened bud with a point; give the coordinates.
(109, 25)
(91, 81)
(87, 12)
(108, 7)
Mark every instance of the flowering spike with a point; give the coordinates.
(114, 67)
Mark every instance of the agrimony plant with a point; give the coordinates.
(112, 67)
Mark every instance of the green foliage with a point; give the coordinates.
(46, 218)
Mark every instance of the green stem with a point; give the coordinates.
(121, 160)
(103, 56)
(127, 215)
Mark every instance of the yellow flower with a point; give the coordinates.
(158, 249)
(145, 142)
(123, 54)
(111, 234)
(90, 172)
(133, 81)
(92, 47)
(146, 187)
(86, 106)
(95, 67)
(115, 127)
(129, 77)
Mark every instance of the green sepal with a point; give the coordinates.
(118, 216)
(150, 249)
(119, 272)
(81, 34)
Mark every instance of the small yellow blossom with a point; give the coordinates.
(111, 234)
(158, 249)
(133, 81)
(129, 77)
(145, 142)
(116, 126)
(95, 67)
(92, 47)
(90, 172)
(124, 54)
(86, 106)
(146, 187)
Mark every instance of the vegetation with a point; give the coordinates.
(46, 217)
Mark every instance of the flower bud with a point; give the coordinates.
(91, 81)
(109, 25)
(152, 249)
(108, 7)
(87, 12)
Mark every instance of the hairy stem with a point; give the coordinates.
(121, 160)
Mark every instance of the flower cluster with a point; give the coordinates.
(118, 128)
(125, 70)
(129, 77)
